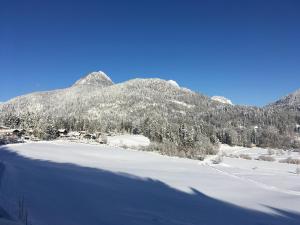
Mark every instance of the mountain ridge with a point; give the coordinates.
(288, 100)
(157, 108)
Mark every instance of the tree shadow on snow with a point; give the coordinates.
(67, 194)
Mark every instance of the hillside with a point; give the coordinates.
(291, 100)
(191, 123)
(95, 96)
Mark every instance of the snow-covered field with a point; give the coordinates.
(71, 183)
(255, 152)
(128, 141)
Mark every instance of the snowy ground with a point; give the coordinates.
(71, 183)
(254, 153)
(275, 176)
(128, 141)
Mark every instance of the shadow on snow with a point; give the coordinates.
(67, 194)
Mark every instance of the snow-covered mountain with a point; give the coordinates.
(99, 79)
(159, 109)
(222, 99)
(292, 99)
(174, 83)
(96, 97)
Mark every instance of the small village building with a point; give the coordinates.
(2, 128)
(297, 128)
(18, 132)
(87, 136)
(63, 131)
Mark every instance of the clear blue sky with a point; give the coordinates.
(248, 51)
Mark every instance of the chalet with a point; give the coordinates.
(297, 128)
(3, 128)
(87, 136)
(62, 132)
(8, 132)
(16, 132)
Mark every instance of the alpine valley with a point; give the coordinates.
(178, 121)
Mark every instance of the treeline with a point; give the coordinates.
(192, 135)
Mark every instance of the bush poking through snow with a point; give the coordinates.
(171, 149)
(290, 160)
(266, 158)
(103, 139)
(217, 160)
(245, 156)
(271, 152)
(279, 152)
(298, 170)
(233, 156)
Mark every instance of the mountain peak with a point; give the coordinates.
(95, 79)
(289, 100)
(173, 83)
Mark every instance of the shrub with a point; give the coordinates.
(48, 132)
(103, 139)
(266, 158)
(245, 156)
(217, 160)
(271, 152)
(204, 146)
(298, 171)
(167, 148)
(290, 160)
(279, 152)
(233, 156)
(171, 149)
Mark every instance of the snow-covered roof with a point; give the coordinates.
(62, 130)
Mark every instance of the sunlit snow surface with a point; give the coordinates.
(126, 140)
(173, 83)
(71, 183)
